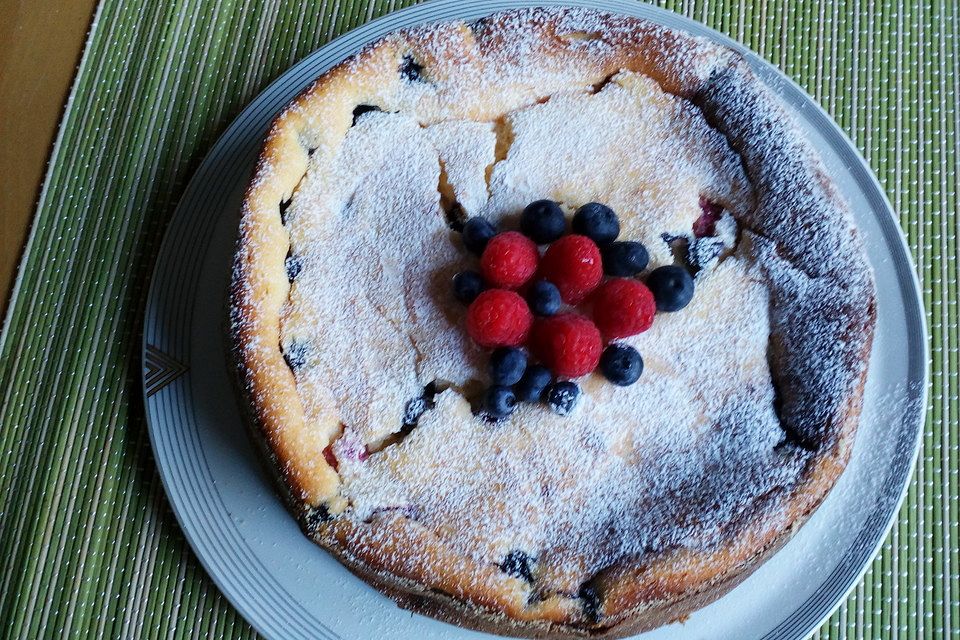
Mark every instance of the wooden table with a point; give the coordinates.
(40, 46)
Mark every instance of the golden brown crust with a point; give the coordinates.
(638, 593)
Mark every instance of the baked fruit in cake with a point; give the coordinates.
(685, 454)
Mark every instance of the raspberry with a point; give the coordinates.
(568, 344)
(509, 260)
(573, 263)
(499, 318)
(706, 224)
(330, 458)
(623, 307)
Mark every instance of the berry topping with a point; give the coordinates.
(467, 285)
(295, 354)
(544, 298)
(574, 265)
(621, 364)
(672, 287)
(507, 365)
(563, 396)
(477, 232)
(706, 224)
(568, 344)
(509, 260)
(410, 69)
(543, 221)
(590, 599)
(330, 458)
(596, 221)
(624, 259)
(294, 265)
(416, 407)
(499, 318)
(518, 564)
(623, 307)
(362, 109)
(531, 385)
(499, 402)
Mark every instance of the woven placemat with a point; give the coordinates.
(88, 545)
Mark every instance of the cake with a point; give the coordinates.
(645, 501)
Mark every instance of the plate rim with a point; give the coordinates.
(771, 75)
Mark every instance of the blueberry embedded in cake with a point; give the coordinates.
(640, 350)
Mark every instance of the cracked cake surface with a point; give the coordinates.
(648, 501)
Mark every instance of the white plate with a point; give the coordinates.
(289, 588)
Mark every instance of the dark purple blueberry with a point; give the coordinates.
(499, 402)
(544, 298)
(315, 517)
(598, 222)
(295, 354)
(410, 70)
(672, 287)
(542, 221)
(294, 265)
(621, 364)
(518, 564)
(531, 386)
(418, 406)
(477, 232)
(624, 259)
(467, 285)
(563, 396)
(361, 109)
(507, 365)
(591, 602)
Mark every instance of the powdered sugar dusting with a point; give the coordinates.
(367, 306)
(648, 155)
(667, 462)
(619, 476)
(676, 460)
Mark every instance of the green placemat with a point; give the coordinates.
(88, 545)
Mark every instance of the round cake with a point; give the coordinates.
(619, 504)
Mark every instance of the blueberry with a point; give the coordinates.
(542, 221)
(294, 265)
(507, 365)
(317, 516)
(295, 354)
(596, 221)
(410, 69)
(672, 287)
(624, 259)
(416, 407)
(621, 364)
(499, 402)
(518, 564)
(544, 298)
(467, 285)
(476, 233)
(531, 385)
(361, 109)
(563, 396)
(590, 599)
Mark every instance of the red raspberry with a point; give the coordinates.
(573, 263)
(623, 307)
(706, 224)
(509, 260)
(330, 458)
(567, 344)
(499, 318)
